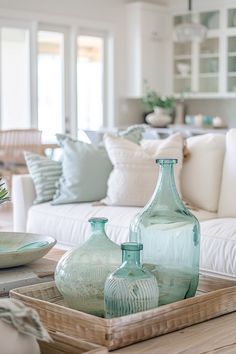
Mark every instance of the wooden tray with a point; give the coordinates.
(63, 344)
(215, 298)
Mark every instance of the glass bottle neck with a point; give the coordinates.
(98, 226)
(166, 192)
(131, 258)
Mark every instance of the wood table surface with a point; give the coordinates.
(216, 336)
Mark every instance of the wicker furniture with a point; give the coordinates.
(12, 145)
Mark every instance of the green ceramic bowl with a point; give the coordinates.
(18, 248)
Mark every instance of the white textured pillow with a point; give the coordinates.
(134, 176)
(227, 202)
(202, 172)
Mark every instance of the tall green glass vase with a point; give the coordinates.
(130, 288)
(81, 274)
(170, 235)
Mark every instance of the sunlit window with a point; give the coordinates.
(50, 83)
(90, 69)
(15, 78)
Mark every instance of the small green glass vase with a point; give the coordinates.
(81, 274)
(130, 288)
(171, 238)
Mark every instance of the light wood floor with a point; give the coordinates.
(6, 221)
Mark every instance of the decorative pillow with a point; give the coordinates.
(45, 174)
(202, 171)
(86, 169)
(227, 202)
(133, 179)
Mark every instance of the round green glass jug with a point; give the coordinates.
(170, 235)
(81, 273)
(130, 288)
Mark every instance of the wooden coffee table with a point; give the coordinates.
(216, 336)
(36, 272)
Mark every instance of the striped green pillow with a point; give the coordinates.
(45, 174)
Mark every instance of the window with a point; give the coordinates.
(15, 78)
(55, 77)
(90, 82)
(50, 83)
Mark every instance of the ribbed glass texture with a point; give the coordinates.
(80, 275)
(171, 239)
(130, 288)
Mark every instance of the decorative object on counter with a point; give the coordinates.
(170, 236)
(198, 120)
(81, 273)
(18, 248)
(130, 288)
(190, 31)
(161, 107)
(217, 122)
(158, 119)
(180, 109)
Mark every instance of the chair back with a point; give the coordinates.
(14, 142)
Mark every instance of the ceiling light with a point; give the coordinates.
(190, 31)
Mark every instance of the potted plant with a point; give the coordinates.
(4, 195)
(162, 106)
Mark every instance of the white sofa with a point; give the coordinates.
(208, 181)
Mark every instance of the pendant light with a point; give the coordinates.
(190, 31)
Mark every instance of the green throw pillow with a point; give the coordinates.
(45, 174)
(86, 168)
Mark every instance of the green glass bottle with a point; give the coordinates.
(130, 288)
(171, 238)
(81, 273)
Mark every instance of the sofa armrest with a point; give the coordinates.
(23, 195)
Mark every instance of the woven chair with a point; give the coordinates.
(13, 143)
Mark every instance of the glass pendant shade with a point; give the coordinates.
(81, 273)
(171, 239)
(188, 32)
(130, 288)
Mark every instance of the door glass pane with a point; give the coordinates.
(15, 82)
(50, 83)
(232, 18)
(178, 20)
(90, 82)
(210, 19)
(231, 57)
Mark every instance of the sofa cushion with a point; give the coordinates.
(134, 176)
(86, 168)
(45, 174)
(202, 172)
(227, 203)
(69, 223)
(218, 246)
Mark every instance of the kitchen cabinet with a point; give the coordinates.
(206, 69)
(147, 46)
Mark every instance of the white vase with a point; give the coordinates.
(159, 118)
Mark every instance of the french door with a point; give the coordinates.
(15, 74)
(53, 77)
